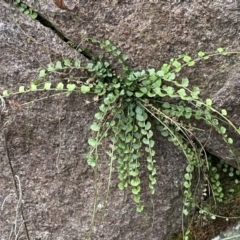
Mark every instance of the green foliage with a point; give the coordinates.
(131, 106)
(215, 182)
(231, 172)
(25, 9)
(219, 190)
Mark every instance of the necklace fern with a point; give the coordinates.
(131, 105)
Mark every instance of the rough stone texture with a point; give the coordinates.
(47, 142)
(150, 32)
(231, 233)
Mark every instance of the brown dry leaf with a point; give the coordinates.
(62, 5)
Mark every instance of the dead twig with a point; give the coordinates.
(18, 192)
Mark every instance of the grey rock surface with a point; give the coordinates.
(47, 144)
(47, 139)
(232, 233)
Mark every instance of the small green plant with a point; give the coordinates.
(217, 189)
(25, 9)
(217, 175)
(131, 105)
